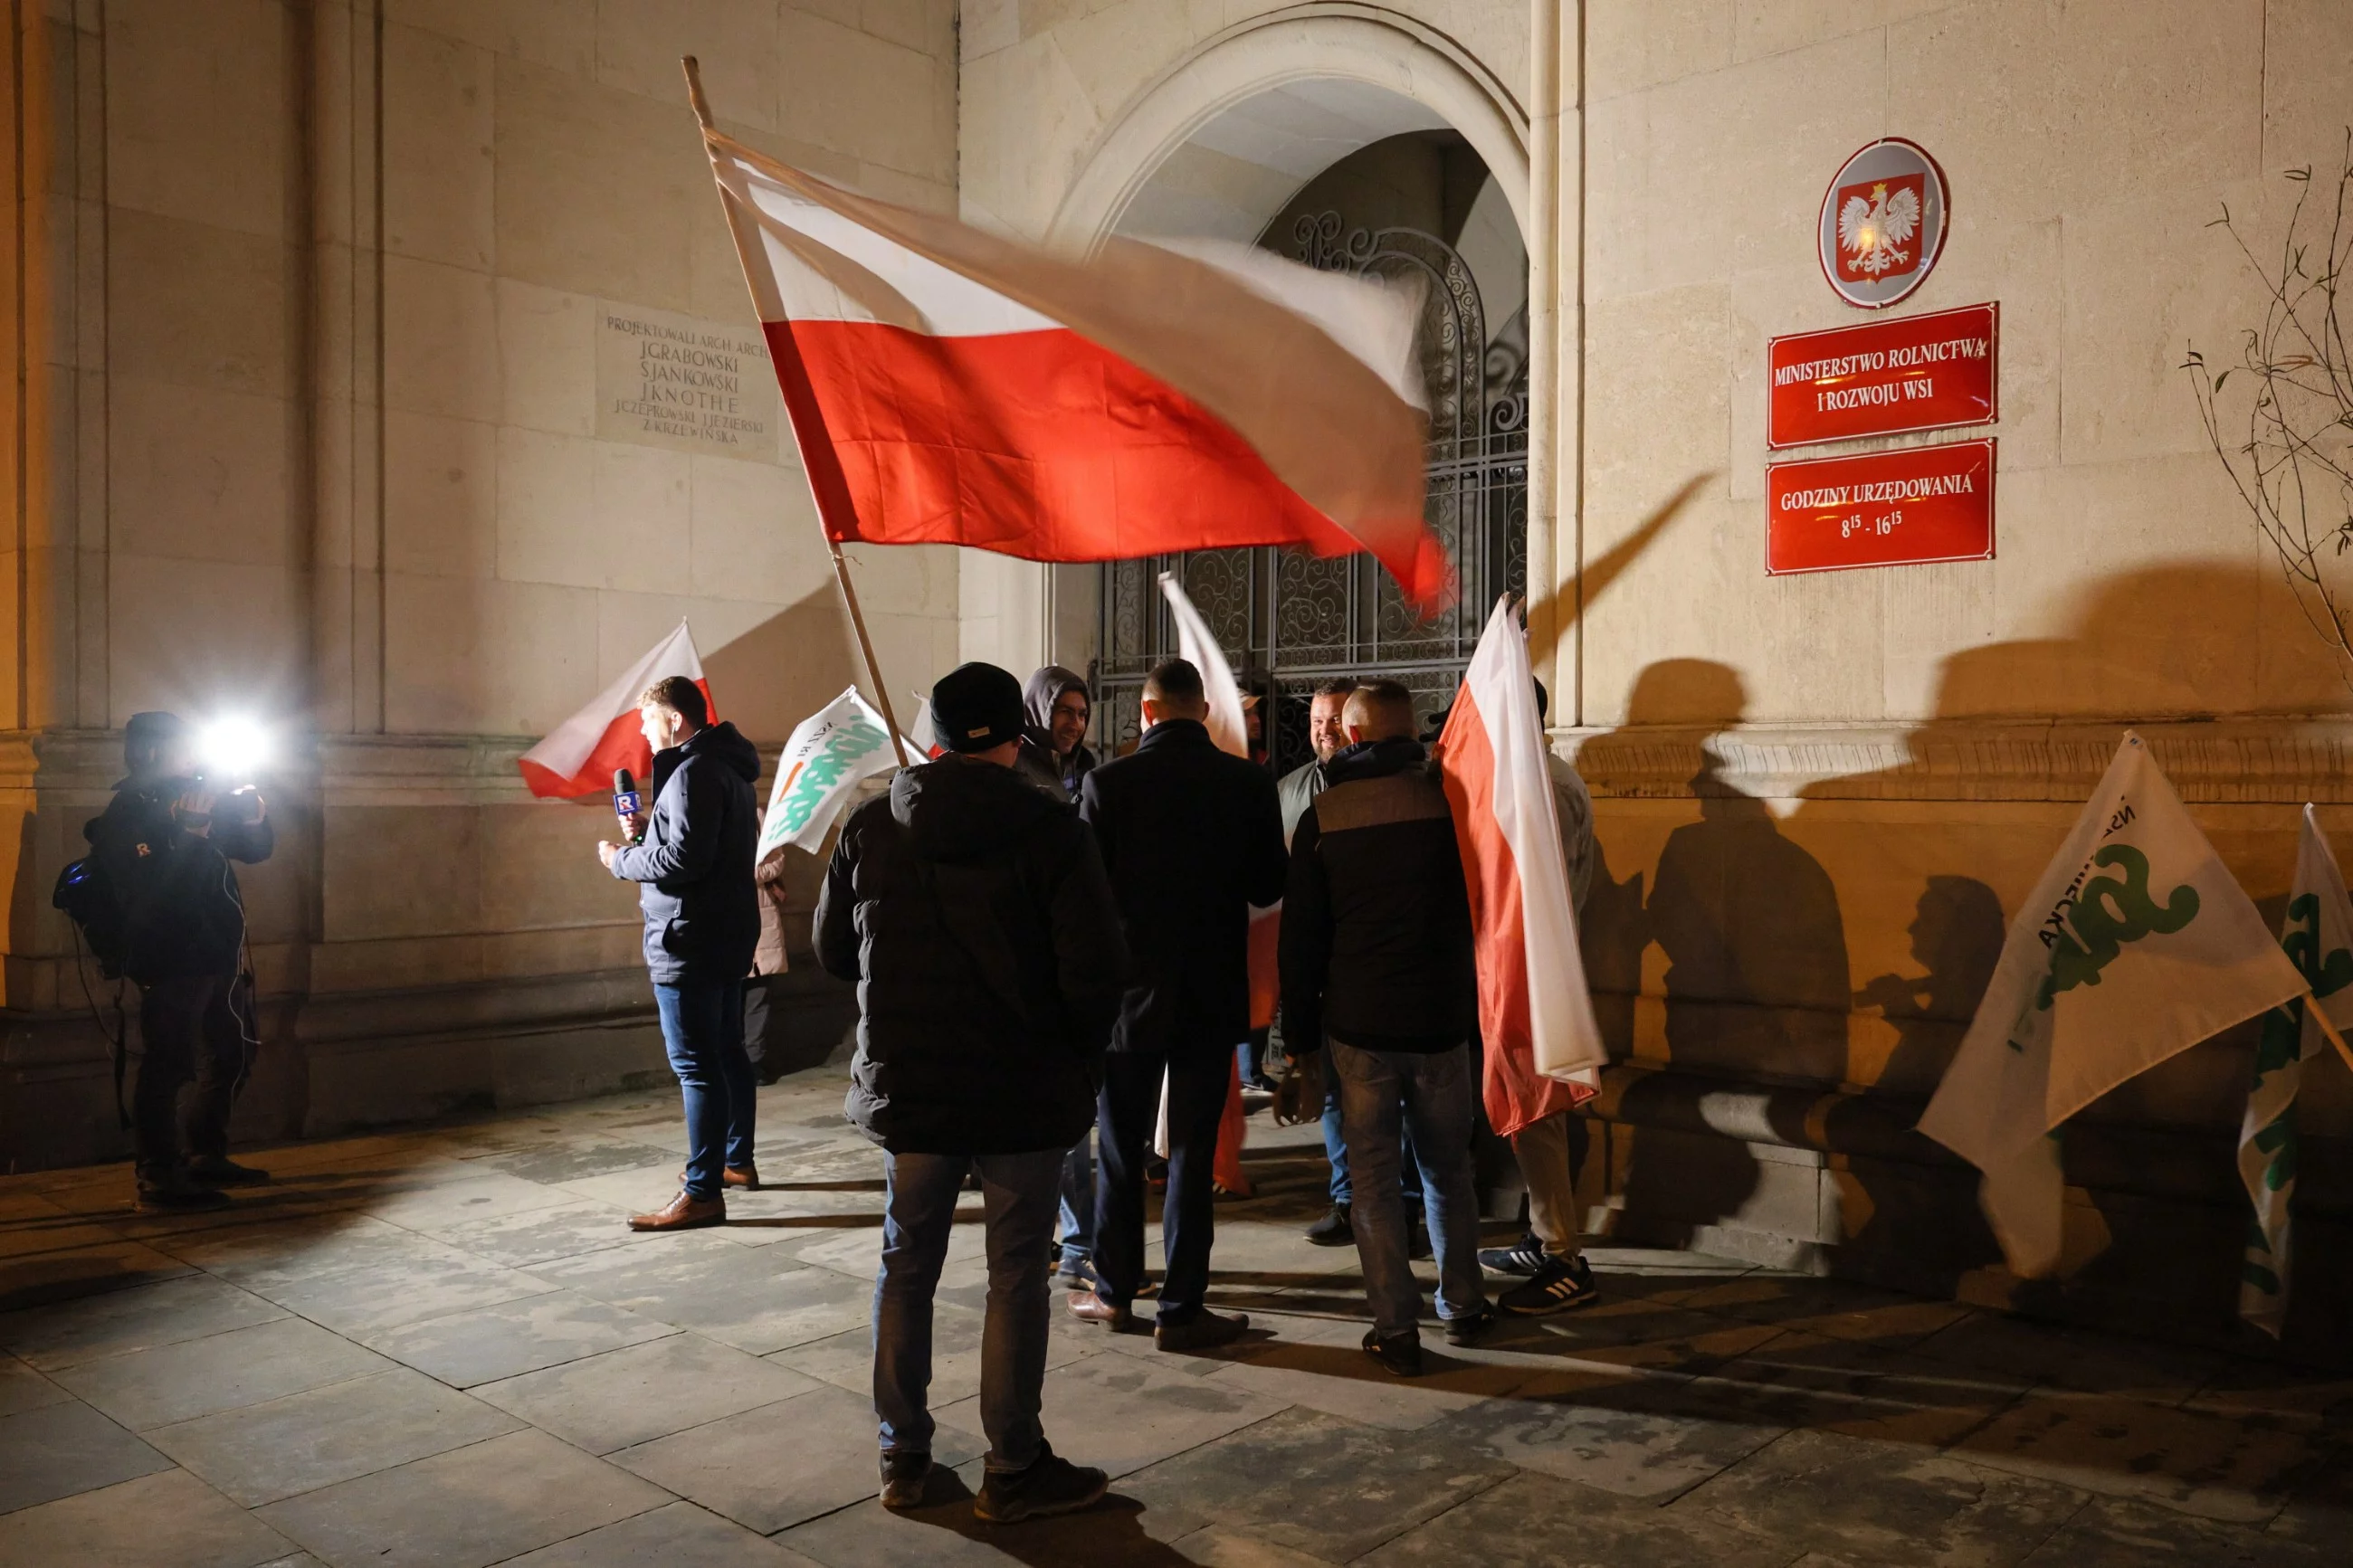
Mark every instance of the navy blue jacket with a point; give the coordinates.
(1192, 839)
(702, 915)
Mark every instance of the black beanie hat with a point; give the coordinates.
(148, 730)
(976, 707)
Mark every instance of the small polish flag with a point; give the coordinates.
(925, 734)
(1543, 1048)
(578, 759)
(1196, 647)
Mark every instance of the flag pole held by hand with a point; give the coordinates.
(694, 95)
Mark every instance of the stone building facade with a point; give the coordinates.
(311, 304)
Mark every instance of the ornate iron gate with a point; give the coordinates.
(1291, 620)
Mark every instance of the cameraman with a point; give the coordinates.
(164, 843)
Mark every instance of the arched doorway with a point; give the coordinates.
(1419, 209)
(1355, 140)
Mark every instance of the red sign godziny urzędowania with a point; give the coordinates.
(1881, 509)
(1881, 378)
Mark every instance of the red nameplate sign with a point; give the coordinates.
(1920, 373)
(1881, 509)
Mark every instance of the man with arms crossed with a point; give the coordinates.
(972, 914)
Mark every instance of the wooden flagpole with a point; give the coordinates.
(840, 563)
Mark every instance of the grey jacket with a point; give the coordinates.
(1294, 791)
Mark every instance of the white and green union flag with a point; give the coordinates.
(831, 752)
(2317, 937)
(2136, 943)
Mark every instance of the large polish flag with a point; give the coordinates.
(1544, 1051)
(948, 386)
(579, 758)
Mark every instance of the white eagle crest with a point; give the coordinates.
(1872, 231)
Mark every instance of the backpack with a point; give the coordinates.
(87, 897)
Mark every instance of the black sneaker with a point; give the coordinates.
(1470, 1331)
(1557, 1287)
(1401, 1353)
(1204, 1331)
(178, 1195)
(1523, 1258)
(904, 1471)
(1333, 1229)
(1050, 1485)
(218, 1171)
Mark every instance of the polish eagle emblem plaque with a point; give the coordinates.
(1882, 223)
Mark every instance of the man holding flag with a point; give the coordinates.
(1524, 825)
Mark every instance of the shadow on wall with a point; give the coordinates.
(1755, 980)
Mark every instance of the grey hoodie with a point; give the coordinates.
(1058, 776)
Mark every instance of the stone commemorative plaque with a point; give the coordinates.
(1882, 378)
(1881, 509)
(681, 381)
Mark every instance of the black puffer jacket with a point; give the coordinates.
(702, 917)
(973, 912)
(1376, 942)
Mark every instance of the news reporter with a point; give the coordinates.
(702, 920)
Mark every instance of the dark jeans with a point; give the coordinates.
(1336, 1150)
(702, 1026)
(757, 1018)
(195, 1030)
(1016, 1194)
(1384, 1093)
(1126, 1114)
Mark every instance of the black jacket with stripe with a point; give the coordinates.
(1376, 948)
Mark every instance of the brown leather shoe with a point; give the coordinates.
(684, 1212)
(1089, 1308)
(745, 1180)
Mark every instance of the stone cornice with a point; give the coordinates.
(2281, 761)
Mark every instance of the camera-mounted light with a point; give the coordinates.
(233, 749)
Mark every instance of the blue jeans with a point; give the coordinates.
(1336, 1151)
(919, 1213)
(1251, 1057)
(702, 1027)
(1075, 1220)
(1383, 1095)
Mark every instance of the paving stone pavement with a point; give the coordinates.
(441, 1347)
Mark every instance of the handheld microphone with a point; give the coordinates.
(625, 799)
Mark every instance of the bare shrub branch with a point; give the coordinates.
(2284, 433)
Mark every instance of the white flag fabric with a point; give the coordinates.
(1198, 649)
(2135, 944)
(579, 757)
(831, 752)
(1544, 1049)
(2317, 937)
(925, 734)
